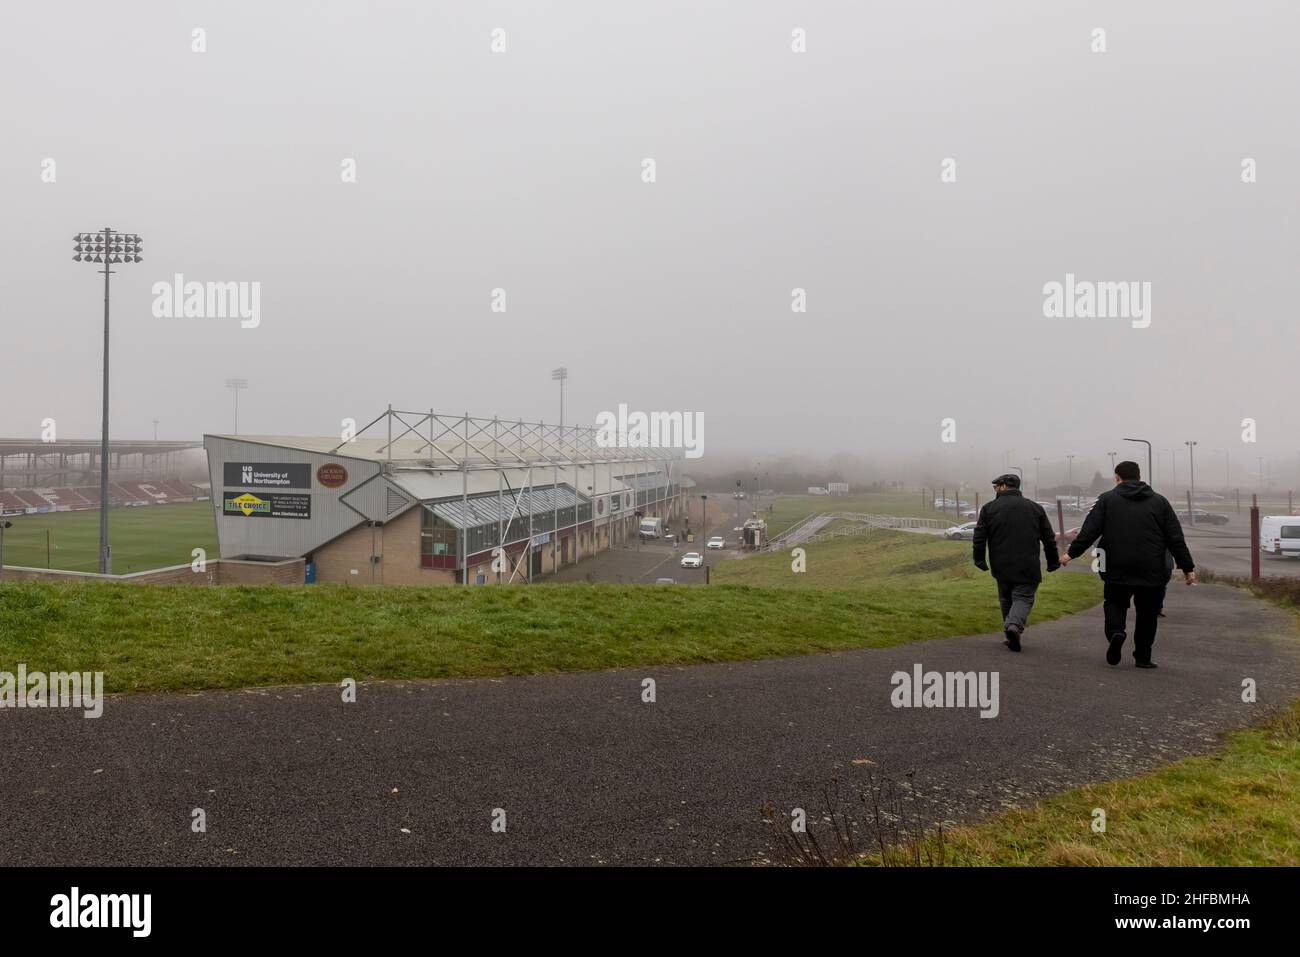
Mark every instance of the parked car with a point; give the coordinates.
(692, 560)
(1201, 517)
(717, 541)
(959, 533)
(1068, 536)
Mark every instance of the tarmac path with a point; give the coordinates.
(587, 772)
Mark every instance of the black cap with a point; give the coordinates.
(1010, 479)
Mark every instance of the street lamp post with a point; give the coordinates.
(3, 525)
(236, 385)
(107, 246)
(1191, 487)
(1037, 459)
(1150, 477)
(559, 375)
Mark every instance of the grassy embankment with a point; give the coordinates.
(886, 588)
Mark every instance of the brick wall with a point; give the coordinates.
(396, 544)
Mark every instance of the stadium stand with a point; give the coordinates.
(87, 496)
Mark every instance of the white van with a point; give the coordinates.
(652, 528)
(1280, 535)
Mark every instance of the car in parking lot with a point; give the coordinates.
(692, 560)
(958, 533)
(1069, 535)
(717, 541)
(1201, 517)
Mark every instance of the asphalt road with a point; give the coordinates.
(1226, 549)
(645, 562)
(586, 772)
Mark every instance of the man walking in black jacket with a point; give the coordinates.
(1011, 527)
(1136, 527)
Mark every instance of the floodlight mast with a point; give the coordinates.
(106, 246)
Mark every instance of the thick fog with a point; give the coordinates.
(444, 201)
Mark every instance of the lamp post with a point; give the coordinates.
(236, 385)
(1150, 477)
(108, 246)
(559, 375)
(3, 525)
(1191, 487)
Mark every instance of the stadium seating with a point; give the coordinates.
(87, 496)
(9, 501)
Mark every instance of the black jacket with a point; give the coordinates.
(1136, 526)
(1012, 526)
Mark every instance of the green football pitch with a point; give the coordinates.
(151, 536)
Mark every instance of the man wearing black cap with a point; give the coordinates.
(1011, 528)
(1139, 531)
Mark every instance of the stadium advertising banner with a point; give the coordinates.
(268, 474)
(266, 505)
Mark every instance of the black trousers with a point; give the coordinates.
(1147, 602)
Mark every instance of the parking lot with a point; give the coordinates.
(646, 562)
(1223, 549)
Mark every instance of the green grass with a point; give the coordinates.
(157, 638)
(788, 509)
(921, 575)
(1239, 807)
(152, 536)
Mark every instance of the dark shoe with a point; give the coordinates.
(1113, 649)
(1013, 639)
(1146, 664)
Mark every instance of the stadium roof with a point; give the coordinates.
(446, 452)
(490, 509)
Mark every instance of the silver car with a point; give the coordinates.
(960, 533)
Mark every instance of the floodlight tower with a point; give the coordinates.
(236, 385)
(108, 246)
(559, 375)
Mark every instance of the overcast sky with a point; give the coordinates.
(774, 170)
